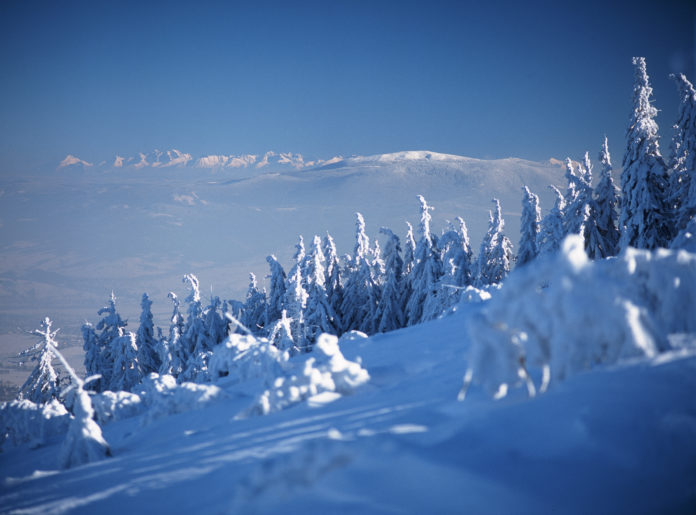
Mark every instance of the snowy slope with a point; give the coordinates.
(615, 440)
(69, 238)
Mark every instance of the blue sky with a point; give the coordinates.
(524, 79)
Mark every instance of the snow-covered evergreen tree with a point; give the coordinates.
(84, 441)
(409, 250)
(276, 296)
(427, 269)
(172, 353)
(594, 242)
(195, 340)
(43, 384)
(682, 163)
(390, 310)
(92, 353)
(281, 334)
(111, 326)
(319, 316)
(644, 220)
(495, 257)
(606, 198)
(295, 304)
(148, 346)
(255, 307)
(529, 228)
(333, 283)
(551, 230)
(126, 372)
(359, 302)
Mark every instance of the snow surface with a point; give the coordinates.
(617, 438)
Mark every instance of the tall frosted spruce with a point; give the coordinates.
(276, 296)
(551, 230)
(682, 162)
(43, 383)
(319, 315)
(529, 227)
(333, 282)
(359, 303)
(148, 356)
(606, 197)
(645, 215)
(390, 312)
(111, 327)
(495, 257)
(427, 268)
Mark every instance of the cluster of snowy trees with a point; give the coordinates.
(407, 282)
(377, 290)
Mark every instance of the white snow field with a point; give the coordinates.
(373, 425)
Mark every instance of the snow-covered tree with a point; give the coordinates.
(111, 326)
(84, 442)
(126, 373)
(409, 250)
(319, 315)
(148, 346)
(594, 242)
(295, 304)
(427, 269)
(551, 231)
(276, 297)
(195, 340)
(644, 220)
(172, 353)
(359, 302)
(606, 198)
(333, 283)
(255, 307)
(682, 163)
(390, 309)
(495, 257)
(529, 228)
(92, 353)
(281, 334)
(43, 384)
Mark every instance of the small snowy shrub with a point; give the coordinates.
(24, 422)
(242, 357)
(110, 406)
(162, 396)
(84, 442)
(568, 314)
(324, 370)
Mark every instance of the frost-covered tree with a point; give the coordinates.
(281, 334)
(644, 220)
(276, 296)
(594, 242)
(148, 346)
(359, 302)
(126, 373)
(529, 228)
(333, 283)
(551, 231)
(295, 303)
(172, 353)
(84, 441)
(682, 163)
(43, 384)
(255, 307)
(574, 200)
(92, 353)
(319, 316)
(390, 309)
(427, 269)
(111, 327)
(196, 340)
(409, 250)
(606, 198)
(495, 257)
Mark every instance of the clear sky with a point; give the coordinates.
(524, 79)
